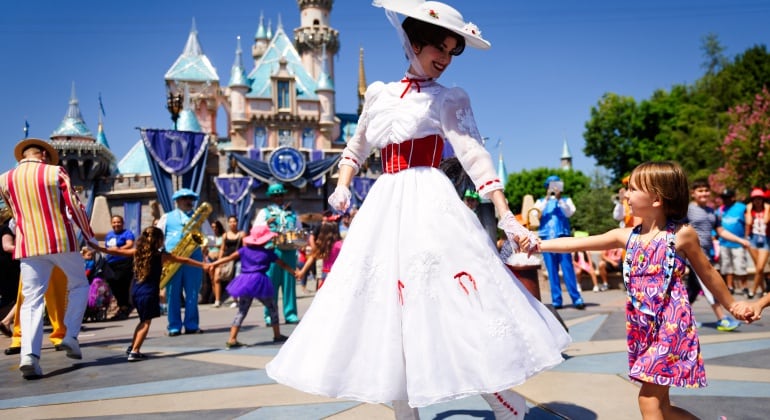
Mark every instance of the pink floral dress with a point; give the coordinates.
(663, 346)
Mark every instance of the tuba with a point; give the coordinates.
(191, 238)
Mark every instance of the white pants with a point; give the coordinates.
(35, 273)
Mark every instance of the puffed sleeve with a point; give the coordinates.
(358, 148)
(459, 126)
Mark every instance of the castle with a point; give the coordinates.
(284, 104)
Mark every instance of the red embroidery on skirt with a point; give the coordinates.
(459, 276)
(505, 404)
(400, 293)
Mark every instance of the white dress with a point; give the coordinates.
(418, 305)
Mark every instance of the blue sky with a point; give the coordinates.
(550, 61)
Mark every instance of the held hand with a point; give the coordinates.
(516, 233)
(743, 311)
(756, 309)
(340, 198)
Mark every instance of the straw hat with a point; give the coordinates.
(438, 14)
(259, 235)
(53, 155)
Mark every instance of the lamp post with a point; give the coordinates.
(174, 106)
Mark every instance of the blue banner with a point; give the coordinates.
(177, 152)
(360, 188)
(132, 217)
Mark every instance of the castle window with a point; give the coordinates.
(260, 137)
(284, 95)
(285, 138)
(308, 138)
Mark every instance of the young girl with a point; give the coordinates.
(253, 282)
(327, 247)
(149, 257)
(663, 348)
(757, 220)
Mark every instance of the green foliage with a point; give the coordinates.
(687, 124)
(592, 196)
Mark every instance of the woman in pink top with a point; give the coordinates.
(327, 247)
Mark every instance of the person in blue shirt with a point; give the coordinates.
(732, 255)
(122, 267)
(554, 223)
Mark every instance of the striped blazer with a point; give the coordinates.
(45, 208)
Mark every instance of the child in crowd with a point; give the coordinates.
(663, 347)
(149, 258)
(327, 247)
(253, 282)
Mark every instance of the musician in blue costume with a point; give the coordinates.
(279, 217)
(188, 279)
(554, 223)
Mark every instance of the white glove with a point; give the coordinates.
(513, 230)
(340, 198)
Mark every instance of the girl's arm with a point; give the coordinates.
(688, 245)
(183, 260)
(767, 214)
(757, 307)
(114, 251)
(235, 255)
(285, 266)
(749, 219)
(309, 261)
(615, 238)
(222, 248)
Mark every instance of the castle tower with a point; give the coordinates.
(361, 81)
(315, 40)
(193, 72)
(260, 40)
(325, 92)
(238, 86)
(85, 158)
(566, 157)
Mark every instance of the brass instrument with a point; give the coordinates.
(191, 238)
(5, 214)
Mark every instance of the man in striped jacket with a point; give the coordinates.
(46, 211)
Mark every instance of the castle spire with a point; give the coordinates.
(237, 73)
(361, 81)
(566, 156)
(73, 125)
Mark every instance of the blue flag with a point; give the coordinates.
(26, 129)
(101, 105)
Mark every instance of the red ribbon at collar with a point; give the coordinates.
(409, 82)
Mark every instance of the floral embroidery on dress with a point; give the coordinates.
(499, 328)
(466, 124)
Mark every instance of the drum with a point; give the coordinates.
(291, 239)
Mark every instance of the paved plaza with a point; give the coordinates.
(193, 376)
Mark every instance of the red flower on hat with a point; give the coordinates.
(432, 13)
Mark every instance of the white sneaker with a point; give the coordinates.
(30, 367)
(234, 305)
(596, 289)
(507, 405)
(72, 347)
(217, 304)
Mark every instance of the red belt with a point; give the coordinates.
(411, 153)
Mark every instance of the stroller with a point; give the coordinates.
(100, 296)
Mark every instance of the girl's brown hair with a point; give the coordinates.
(150, 243)
(327, 236)
(668, 181)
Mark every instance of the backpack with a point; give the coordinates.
(99, 300)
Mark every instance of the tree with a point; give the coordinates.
(594, 206)
(746, 148)
(713, 53)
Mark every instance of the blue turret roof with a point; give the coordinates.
(188, 121)
(259, 78)
(73, 125)
(135, 161)
(101, 138)
(565, 154)
(261, 34)
(237, 73)
(192, 65)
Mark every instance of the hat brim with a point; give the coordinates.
(259, 240)
(53, 155)
(418, 9)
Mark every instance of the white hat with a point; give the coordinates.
(438, 14)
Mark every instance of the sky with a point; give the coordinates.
(550, 61)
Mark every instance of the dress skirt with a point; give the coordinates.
(418, 306)
(252, 285)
